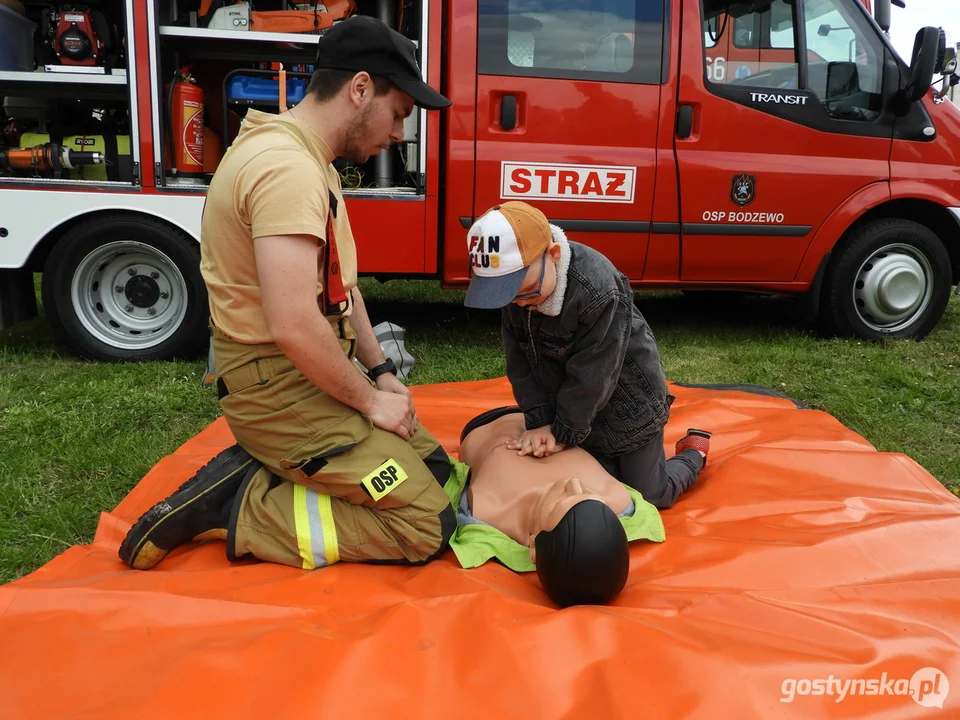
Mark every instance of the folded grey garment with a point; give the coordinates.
(210, 374)
(391, 338)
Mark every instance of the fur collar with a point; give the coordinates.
(554, 304)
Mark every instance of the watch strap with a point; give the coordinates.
(385, 367)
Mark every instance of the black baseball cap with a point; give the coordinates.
(365, 44)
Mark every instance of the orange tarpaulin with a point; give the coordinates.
(806, 575)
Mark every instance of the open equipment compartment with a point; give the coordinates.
(67, 100)
(212, 62)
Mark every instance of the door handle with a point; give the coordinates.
(508, 112)
(685, 121)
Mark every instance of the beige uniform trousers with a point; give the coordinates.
(333, 485)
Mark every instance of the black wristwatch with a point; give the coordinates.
(388, 366)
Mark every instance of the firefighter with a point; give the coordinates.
(330, 462)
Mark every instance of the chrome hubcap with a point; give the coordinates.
(893, 288)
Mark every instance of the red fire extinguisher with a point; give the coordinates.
(185, 108)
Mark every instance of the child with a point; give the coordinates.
(581, 359)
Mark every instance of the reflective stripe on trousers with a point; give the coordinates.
(316, 533)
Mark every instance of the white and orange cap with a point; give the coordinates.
(503, 243)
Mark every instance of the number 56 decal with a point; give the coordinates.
(716, 69)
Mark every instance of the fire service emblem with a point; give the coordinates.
(744, 189)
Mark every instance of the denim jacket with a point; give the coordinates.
(593, 372)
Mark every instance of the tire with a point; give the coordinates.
(890, 279)
(127, 287)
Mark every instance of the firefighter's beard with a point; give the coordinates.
(357, 136)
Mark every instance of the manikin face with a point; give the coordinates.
(379, 120)
(541, 278)
(553, 504)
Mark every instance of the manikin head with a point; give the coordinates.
(579, 546)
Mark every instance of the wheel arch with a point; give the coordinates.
(922, 203)
(41, 251)
(931, 215)
(849, 299)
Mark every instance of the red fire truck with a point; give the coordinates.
(772, 146)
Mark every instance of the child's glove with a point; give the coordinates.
(539, 442)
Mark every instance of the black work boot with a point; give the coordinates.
(198, 510)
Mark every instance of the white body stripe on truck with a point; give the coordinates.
(29, 215)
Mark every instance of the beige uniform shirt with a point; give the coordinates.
(273, 180)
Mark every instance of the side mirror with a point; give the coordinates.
(946, 56)
(926, 47)
(843, 80)
(825, 30)
(882, 14)
(941, 51)
(948, 63)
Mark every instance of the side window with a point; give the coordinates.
(716, 62)
(757, 47)
(841, 60)
(845, 61)
(612, 40)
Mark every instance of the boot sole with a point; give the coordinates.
(695, 439)
(145, 527)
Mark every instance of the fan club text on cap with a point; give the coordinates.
(485, 251)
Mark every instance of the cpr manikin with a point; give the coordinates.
(563, 507)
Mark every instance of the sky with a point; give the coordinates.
(904, 23)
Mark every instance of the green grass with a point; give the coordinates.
(76, 436)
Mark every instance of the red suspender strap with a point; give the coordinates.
(332, 279)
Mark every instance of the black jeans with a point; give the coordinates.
(649, 472)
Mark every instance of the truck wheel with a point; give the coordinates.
(890, 279)
(125, 287)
